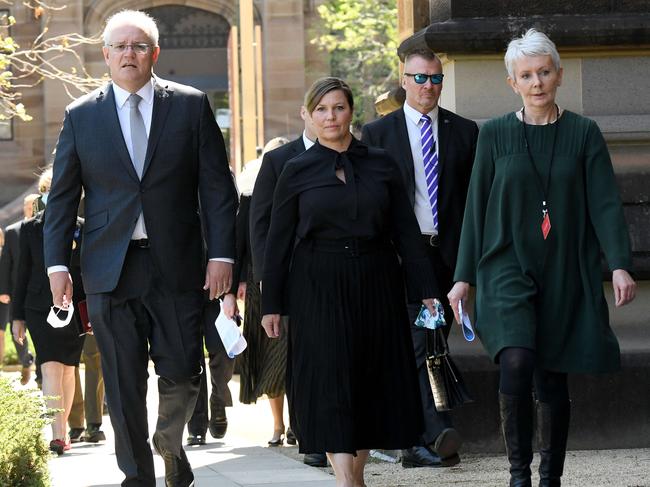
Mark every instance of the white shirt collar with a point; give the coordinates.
(146, 93)
(414, 115)
(307, 141)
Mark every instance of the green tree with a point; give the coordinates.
(45, 57)
(361, 38)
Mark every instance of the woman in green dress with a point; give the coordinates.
(542, 205)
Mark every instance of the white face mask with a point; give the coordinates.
(53, 318)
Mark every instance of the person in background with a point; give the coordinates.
(58, 349)
(221, 370)
(261, 205)
(435, 150)
(88, 403)
(350, 359)
(263, 363)
(542, 205)
(8, 272)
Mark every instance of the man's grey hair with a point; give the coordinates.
(427, 54)
(532, 43)
(136, 18)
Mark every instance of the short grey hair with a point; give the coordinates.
(136, 18)
(426, 54)
(532, 43)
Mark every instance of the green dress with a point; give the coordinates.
(546, 295)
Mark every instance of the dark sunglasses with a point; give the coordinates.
(421, 78)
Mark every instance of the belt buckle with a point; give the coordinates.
(434, 241)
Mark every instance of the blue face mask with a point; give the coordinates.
(44, 197)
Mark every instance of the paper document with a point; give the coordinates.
(230, 335)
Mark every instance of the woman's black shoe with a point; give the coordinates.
(278, 438)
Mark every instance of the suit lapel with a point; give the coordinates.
(444, 129)
(406, 161)
(108, 115)
(161, 103)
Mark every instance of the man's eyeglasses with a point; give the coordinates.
(421, 78)
(140, 48)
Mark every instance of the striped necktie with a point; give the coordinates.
(430, 157)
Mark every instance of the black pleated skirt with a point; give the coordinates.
(351, 375)
(263, 365)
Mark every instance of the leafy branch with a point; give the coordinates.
(44, 58)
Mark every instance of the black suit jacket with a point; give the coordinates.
(32, 289)
(185, 169)
(260, 211)
(9, 258)
(457, 146)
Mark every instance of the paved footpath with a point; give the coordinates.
(242, 459)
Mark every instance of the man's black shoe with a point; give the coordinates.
(178, 472)
(420, 456)
(315, 459)
(290, 437)
(94, 434)
(447, 443)
(75, 434)
(218, 423)
(194, 440)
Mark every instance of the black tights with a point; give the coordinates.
(518, 373)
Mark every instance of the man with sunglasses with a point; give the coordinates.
(434, 149)
(152, 162)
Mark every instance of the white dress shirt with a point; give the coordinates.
(422, 206)
(307, 141)
(145, 107)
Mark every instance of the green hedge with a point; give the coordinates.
(23, 451)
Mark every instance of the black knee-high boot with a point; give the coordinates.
(553, 428)
(517, 426)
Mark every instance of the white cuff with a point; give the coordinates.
(56, 268)
(223, 259)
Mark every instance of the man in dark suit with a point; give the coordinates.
(260, 220)
(149, 156)
(435, 151)
(8, 273)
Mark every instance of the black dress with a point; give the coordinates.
(351, 376)
(32, 297)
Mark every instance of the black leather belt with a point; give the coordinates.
(431, 240)
(141, 243)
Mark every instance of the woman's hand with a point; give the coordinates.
(241, 291)
(18, 330)
(459, 292)
(230, 305)
(624, 287)
(430, 303)
(271, 325)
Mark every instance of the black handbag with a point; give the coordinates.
(447, 385)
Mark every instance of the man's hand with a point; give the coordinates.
(624, 287)
(230, 305)
(61, 287)
(5, 299)
(218, 278)
(271, 325)
(18, 330)
(460, 292)
(241, 291)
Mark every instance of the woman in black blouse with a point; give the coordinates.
(340, 219)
